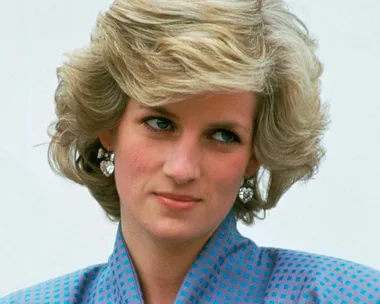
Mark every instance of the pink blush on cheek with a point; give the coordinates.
(227, 167)
(138, 160)
(228, 174)
(132, 153)
(133, 169)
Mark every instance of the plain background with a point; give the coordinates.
(49, 226)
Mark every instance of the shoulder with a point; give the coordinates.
(69, 288)
(314, 277)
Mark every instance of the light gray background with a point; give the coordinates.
(49, 226)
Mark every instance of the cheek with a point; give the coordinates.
(132, 160)
(133, 164)
(228, 174)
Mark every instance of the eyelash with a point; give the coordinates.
(235, 140)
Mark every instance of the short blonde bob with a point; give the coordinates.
(161, 51)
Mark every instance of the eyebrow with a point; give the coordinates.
(159, 109)
(224, 124)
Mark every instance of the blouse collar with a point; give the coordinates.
(225, 242)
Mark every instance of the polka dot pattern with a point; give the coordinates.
(229, 269)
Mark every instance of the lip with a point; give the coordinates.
(178, 197)
(177, 201)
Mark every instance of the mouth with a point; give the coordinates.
(178, 197)
(176, 201)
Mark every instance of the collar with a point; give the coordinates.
(213, 264)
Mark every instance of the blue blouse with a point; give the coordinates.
(229, 269)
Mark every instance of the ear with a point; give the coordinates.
(107, 138)
(252, 166)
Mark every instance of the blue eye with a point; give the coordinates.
(159, 123)
(162, 124)
(225, 136)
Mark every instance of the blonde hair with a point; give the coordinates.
(160, 51)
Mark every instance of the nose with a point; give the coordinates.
(183, 161)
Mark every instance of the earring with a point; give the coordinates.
(246, 190)
(107, 164)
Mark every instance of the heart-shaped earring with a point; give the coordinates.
(107, 165)
(246, 190)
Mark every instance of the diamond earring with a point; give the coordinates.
(246, 190)
(107, 164)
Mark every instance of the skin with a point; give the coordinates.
(179, 148)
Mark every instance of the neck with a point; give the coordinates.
(161, 265)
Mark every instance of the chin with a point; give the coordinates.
(176, 230)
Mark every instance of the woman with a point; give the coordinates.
(182, 117)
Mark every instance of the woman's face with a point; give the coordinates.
(178, 167)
